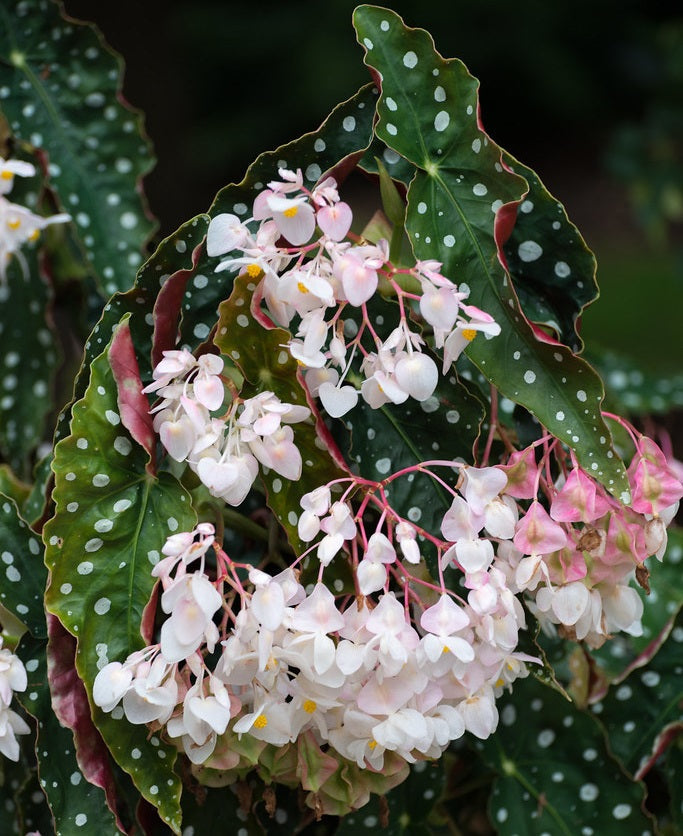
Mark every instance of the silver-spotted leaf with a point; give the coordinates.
(112, 518)
(461, 209)
(22, 572)
(555, 774)
(30, 357)
(555, 279)
(74, 110)
(386, 440)
(76, 805)
(644, 711)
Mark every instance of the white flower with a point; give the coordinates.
(111, 683)
(11, 168)
(191, 601)
(12, 675)
(11, 725)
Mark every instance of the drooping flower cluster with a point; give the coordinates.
(576, 558)
(313, 280)
(363, 678)
(224, 451)
(12, 678)
(396, 664)
(17, 223)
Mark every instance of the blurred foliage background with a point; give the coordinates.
(588, 94)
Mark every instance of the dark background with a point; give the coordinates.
(589, 94)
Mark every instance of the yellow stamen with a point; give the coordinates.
(446, 649)
(469, 334)
(310, 706)
(253, 271)
(500, 683)
(302, 287)
(372, 744)
(6, 175)
(261, 721)
(14, 224)
(35, 235)
(291, 212)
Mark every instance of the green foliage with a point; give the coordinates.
(22, 574)
(112, 518)
(74, 802)
(73, 110)
(555, 773)
(461, 205)
(106, 498)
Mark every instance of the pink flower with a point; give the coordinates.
(537, 534)
(579, 500)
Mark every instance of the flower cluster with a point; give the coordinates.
(319, 280)
(18, 224)
(365, 678)
(225, 451)
(413, 649)
(397, 664)
(12, 678)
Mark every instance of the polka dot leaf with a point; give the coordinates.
(75, 112)
(554, 281)
(26, 808)
(76, 805)
(267, 366)
(112, 518)
(643, 712)
(555, 775)
(22, 572)
(28, 360)
(462, 204)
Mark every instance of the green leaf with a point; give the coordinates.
(60, 90)
(557, 284)
(74, 803)
(555, 774)
(22, 572)
(461, 207)
(30, 357)
(12, 487)
(639, 710)
(268, 366)
(35, 505)
(24, 797)
(112, 518)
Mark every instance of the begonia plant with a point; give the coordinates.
(335, 507)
